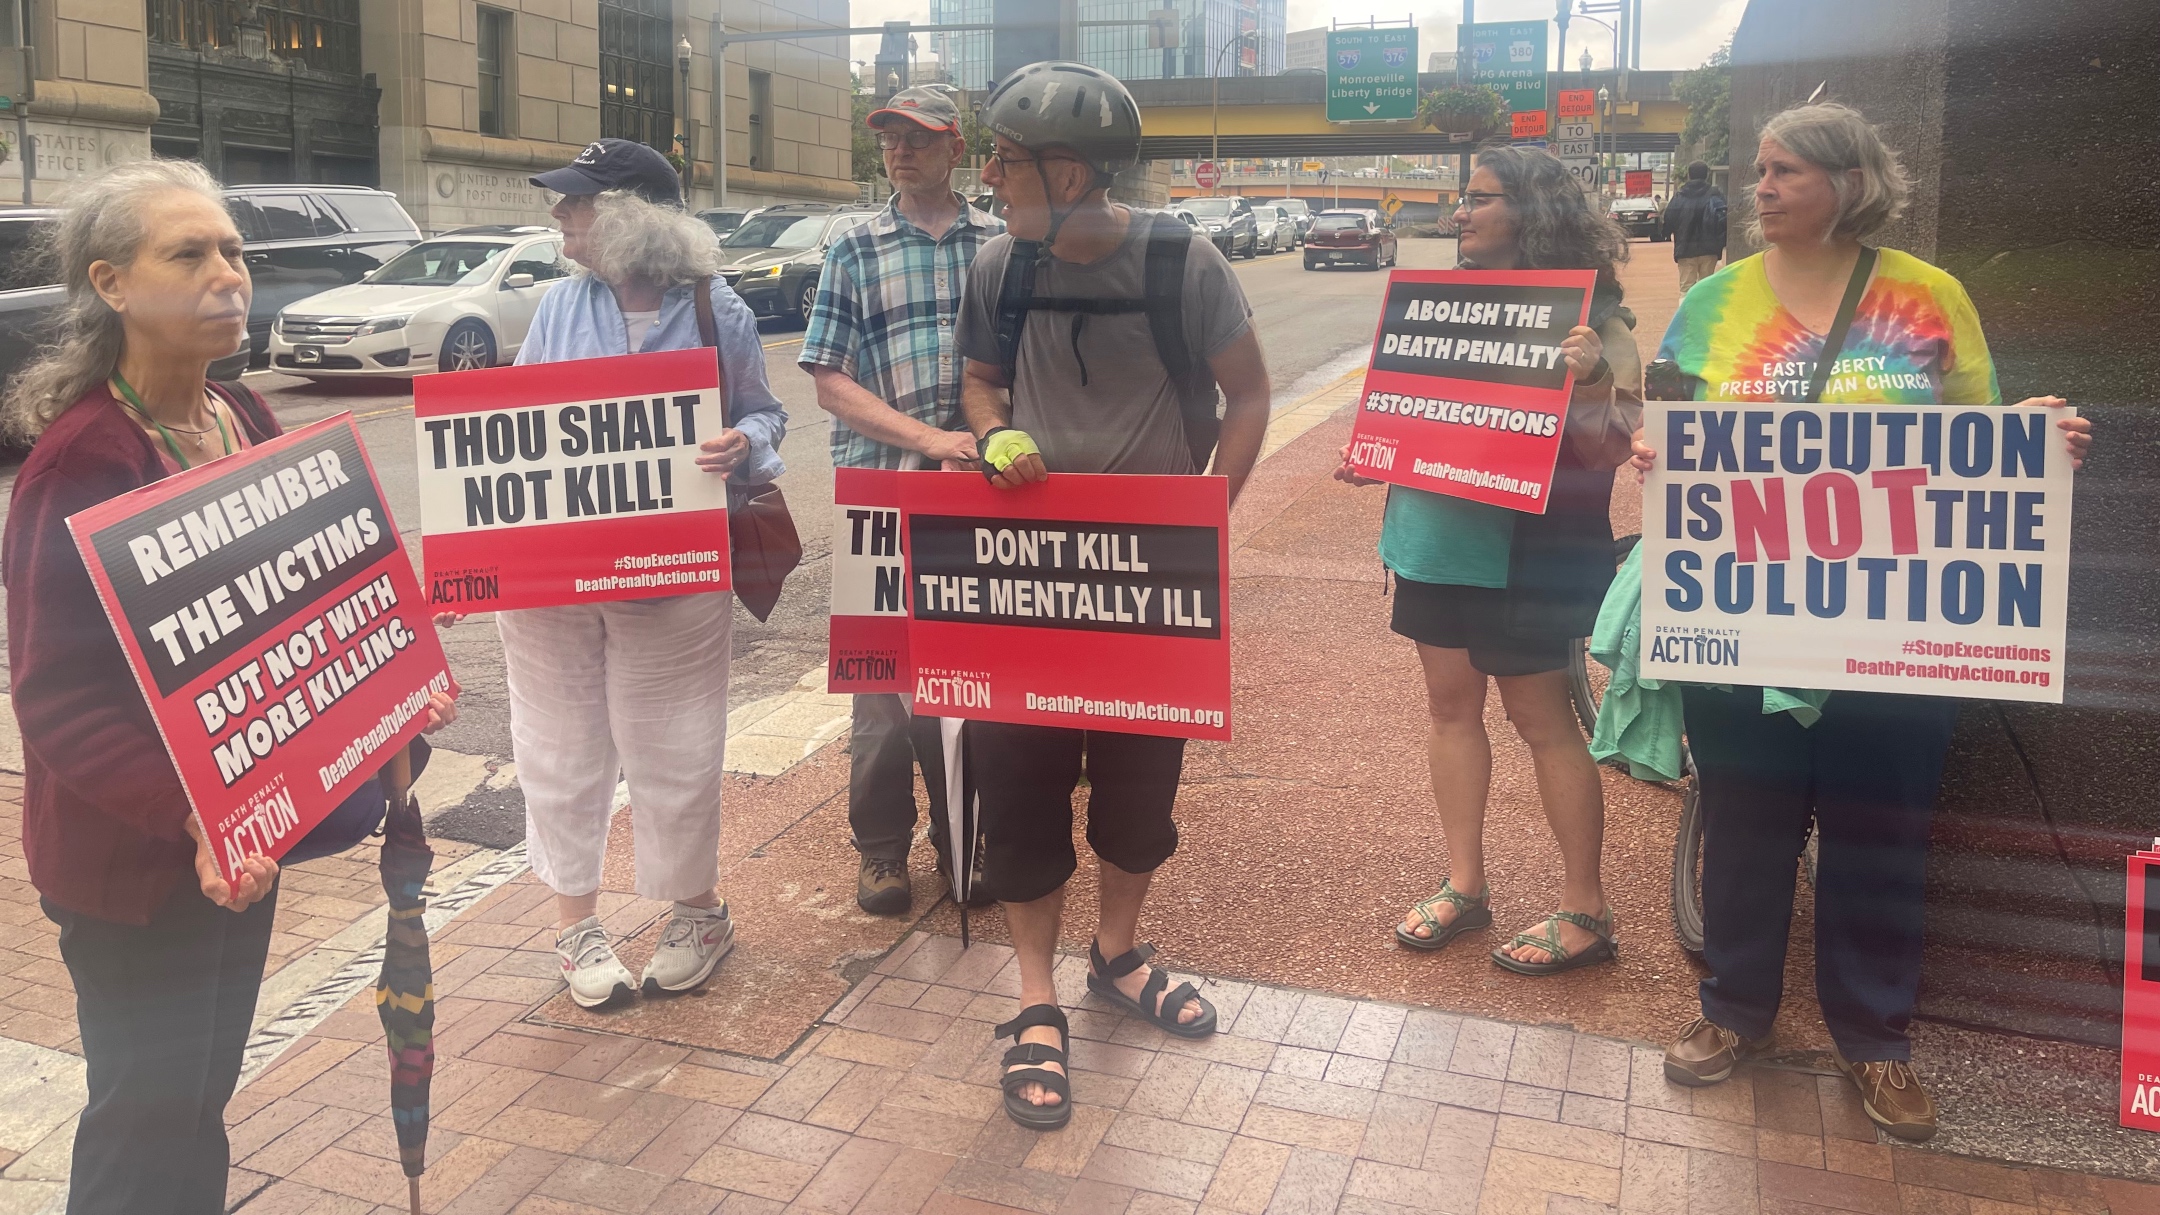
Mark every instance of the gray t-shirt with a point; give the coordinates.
(1124, 418)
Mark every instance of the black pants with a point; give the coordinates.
(1025, 777)
(164, 1012)
(882, 752)
(1867, 774)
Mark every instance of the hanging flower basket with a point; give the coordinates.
(1475, 111)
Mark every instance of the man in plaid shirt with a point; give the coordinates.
(880, 346)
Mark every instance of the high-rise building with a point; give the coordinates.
(1208, 28)
(1306, 49)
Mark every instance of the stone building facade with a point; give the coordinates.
(450, 104)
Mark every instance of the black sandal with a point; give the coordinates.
(1018, 1108)
(1162, 1013)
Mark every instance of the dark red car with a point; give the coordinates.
(1349, 238)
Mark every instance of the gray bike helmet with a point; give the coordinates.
(1068, 105)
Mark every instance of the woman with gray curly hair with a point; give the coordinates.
(635, 687)
(1862, 767)
(1490, 593)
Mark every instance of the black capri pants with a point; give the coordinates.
(1024, 777)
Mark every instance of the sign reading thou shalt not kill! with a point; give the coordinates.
(271, 618)
(572, 482)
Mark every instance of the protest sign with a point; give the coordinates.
(272, 620)
(2140, 1096)
(1093, 602)
(571, 482)
(1881, 548)
(1467, 393)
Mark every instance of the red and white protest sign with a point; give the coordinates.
(2140, 1106)
(571, 482)
(272, 620)
(1089, 602)
(1467, 393)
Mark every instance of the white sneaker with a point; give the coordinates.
(589, 965)
(694, 941)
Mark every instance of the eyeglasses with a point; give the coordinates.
(1474, 199)
(917, 139)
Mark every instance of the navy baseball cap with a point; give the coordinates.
(616, 164)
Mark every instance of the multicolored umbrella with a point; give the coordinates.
(405, 993)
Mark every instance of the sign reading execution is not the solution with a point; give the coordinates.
(1083, 601)
(1879, 548)
(1467, 393)
(571, 482)
(273, 623)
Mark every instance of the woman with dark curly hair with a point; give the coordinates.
(1491, 593)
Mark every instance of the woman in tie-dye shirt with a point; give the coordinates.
(1865, 767)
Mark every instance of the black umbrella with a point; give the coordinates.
(405, 992)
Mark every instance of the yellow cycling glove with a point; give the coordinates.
(1002, 446)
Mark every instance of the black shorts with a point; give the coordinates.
(1024, 777)
(1472, 618)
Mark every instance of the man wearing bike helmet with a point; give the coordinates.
(1096, 337)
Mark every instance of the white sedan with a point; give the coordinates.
(451, 303)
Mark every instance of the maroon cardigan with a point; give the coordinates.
(104, 816)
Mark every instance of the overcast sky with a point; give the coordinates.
(1676, 33)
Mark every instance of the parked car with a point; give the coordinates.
(303, 240)
(456, 302)
(31, 295)
(723, 220)
(1277, 231)
(1300, 211)
(1349, 238)
(1641, 217)
(774, 258)
(1228, 221)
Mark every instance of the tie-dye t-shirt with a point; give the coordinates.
(1915, 340)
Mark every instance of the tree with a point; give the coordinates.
(1707, 90)
(1475, 110)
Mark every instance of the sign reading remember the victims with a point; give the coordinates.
(1877, 548)
(273, 623)
(571, 482)
(1091, 602)
(1467, 394)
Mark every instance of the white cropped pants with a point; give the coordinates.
(633, 687)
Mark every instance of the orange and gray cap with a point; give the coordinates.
(929, 107)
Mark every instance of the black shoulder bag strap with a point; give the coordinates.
(1834, 341)
(1015, 289)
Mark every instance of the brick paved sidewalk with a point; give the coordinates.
(1312, 1103)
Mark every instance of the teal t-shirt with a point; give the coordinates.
(1429, 537)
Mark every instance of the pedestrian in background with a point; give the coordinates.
(881, 346)
(1492, 595)
(635, 688)
(1696, 220)
(165, 955)
(1863, 767)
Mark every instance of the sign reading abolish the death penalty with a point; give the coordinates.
(1467, 394)
(1878, 548)
(1093, 602)
(571, 482)
(273, 623)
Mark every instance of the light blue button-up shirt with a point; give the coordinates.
(579, 319)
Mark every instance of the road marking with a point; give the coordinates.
(782, 342)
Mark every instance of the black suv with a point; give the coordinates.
(304, 239)
(1228, 221)
(31, 295)
(774, 257)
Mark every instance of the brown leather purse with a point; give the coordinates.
(763, 547)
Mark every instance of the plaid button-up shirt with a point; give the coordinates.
(886, 313)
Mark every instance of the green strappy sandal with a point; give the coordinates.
(1471, 912)
(1602, 950)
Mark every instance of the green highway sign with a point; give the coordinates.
(1372, 75)
(1509, 57)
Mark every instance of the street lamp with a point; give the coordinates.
(689, 133)
(1604, 100)
(1215, 101)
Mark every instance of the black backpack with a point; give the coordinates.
(1162, 299)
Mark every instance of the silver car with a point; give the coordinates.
(1277, 231)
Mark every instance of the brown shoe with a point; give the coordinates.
(1891, 1094)
(1707, 1053)
(881, 887)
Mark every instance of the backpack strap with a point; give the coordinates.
(1016, 293)
(1168, 243)
(709, 329)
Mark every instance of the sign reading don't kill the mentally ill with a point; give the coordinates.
(571, 482)
(1091, 602)
(271, 618)
(1880, 548)
(1467, 393)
